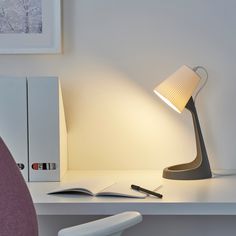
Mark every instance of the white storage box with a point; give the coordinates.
(32, 123)
(47, 130)
(13, 119)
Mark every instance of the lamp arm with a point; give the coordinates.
(199, 168)
(202, 157)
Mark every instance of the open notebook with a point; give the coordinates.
(99, 188)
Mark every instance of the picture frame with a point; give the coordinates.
(40, 34)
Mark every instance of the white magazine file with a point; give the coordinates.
(33, 126)
(46, 129)
(13, 119)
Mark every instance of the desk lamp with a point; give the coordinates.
(177, 92)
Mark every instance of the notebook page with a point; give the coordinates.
(90, 186)
(121, 190)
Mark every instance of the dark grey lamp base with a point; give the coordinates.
(199, 168)
(186, 172)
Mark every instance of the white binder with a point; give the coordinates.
(46, 130)
(13, 119)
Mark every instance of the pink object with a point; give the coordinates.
(17, 213)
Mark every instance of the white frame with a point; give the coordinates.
(49, 41)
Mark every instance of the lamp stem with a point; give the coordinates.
(199, 168)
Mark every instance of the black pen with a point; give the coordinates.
(140, 189)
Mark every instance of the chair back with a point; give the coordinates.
(110, 226)
(17, 213)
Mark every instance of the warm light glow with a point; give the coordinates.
(166, 101)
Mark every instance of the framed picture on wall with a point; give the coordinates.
(30, 26)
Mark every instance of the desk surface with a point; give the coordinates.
(216, 196)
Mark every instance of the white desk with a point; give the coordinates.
(216, 196)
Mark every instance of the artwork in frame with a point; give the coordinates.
(30, 26)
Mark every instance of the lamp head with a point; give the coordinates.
(177, 89)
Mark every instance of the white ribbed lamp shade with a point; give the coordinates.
(177, 89)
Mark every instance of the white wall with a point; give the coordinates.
(115, 52)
